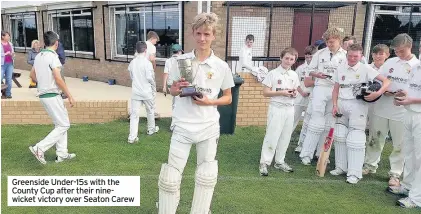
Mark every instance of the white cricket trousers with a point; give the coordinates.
(280, 121)
(58, 114)
(379, 129)
(298, 111)
(320, 122)
(182, 140)
(135, 114)
(412, 153)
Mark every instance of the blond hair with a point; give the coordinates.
(205, 19)
(335, 33)
(33, 43)
(401, 39)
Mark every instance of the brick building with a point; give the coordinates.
(99, 36)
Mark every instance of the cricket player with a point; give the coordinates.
(143, 83)
(379, 54)
(411, 183)
(171, 64)
(281, 85)
(302, 100)
(153, 38)
(387, 116)
(46, 73)
(348, 41)
(322, 67)
(245, 58)
(349, 132)
(196, 121)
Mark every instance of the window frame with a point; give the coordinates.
(141, 12)
(21, 16)
(59, 13)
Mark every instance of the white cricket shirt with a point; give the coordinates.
(397, 71)
(44, 64)
(302, 73)
(351, 78)
(245, 63)
(142, 75)
(326, 62)
(150, 49)
(281, 79)
(414, 89)
(171, 64)
(209, 77)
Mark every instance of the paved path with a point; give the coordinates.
(91, 90)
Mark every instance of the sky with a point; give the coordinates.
(6, 4)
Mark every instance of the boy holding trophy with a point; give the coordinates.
(196, 118)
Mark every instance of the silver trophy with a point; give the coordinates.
(186, 72)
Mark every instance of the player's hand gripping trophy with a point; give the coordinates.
(186, 72)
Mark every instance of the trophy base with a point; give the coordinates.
(190, 92)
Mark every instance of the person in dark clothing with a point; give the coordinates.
(62, 57)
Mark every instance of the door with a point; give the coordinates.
(301, 28)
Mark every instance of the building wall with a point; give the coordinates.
(32, 112)
(343, 17)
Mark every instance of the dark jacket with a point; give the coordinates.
(31, 56)
(61, 54)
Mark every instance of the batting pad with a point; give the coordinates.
(169, 189)
(206, 178)
(341, 131)
(311, 140)
(356, 150)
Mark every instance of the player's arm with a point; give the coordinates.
(62, 85)
(313, 68)
(150, 76)
(225, 99)
(152, 58)
(33, 75)
(386, 82)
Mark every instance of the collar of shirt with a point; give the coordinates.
(340, 50)
(209, 61)
(412, 62)
(48, 50)
(282, 70)
(355, 67)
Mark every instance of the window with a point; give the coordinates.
(23, 30)
(75, 29)
(133, 22)
(387, 26)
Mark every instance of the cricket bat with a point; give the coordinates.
(325, 153)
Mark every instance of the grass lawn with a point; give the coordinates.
(102, 150)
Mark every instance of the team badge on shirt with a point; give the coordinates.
(340, 61)
(279, 82)
(343, 78)
(391, 70)
(209, 74)
(357, 76)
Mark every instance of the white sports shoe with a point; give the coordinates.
(306, 161)
(367, 169)
(68, 157)
(39, 155)
(352, 179)
(298, 149)
(406, 203)
(398, 190)
(133, 141)
(155, 131)
(337, 171)
(263, 169)
(284, 167)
